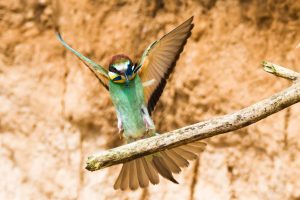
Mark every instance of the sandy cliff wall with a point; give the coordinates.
(54, 113)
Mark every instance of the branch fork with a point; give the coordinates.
(205, 129)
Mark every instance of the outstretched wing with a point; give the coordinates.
(100, 72)
(159, 60)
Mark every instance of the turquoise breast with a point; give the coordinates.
(128, 99)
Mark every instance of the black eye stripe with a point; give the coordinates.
(113, 69)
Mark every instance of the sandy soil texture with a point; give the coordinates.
(54, 113)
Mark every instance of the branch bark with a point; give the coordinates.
(205, 129)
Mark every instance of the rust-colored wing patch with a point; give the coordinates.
(159, 60)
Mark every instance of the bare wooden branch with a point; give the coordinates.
(280, 71)
(205, 129)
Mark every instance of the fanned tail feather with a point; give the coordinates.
(139, 172)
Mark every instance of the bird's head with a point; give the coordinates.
(121, 69)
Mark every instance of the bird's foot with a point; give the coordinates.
(120, 127)
(121, 131)
(147, 125)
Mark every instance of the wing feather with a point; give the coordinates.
(99, 71)
(159, 60)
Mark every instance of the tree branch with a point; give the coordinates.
(280, 71)
(205, 129)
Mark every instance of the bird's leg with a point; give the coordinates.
(149, 125)
(120, 125)
(146, 123)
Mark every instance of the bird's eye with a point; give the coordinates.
(112, 69)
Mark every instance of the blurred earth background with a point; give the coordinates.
(54, 113)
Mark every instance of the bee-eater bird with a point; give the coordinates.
(135, 89)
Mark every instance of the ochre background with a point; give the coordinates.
(54, 113)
